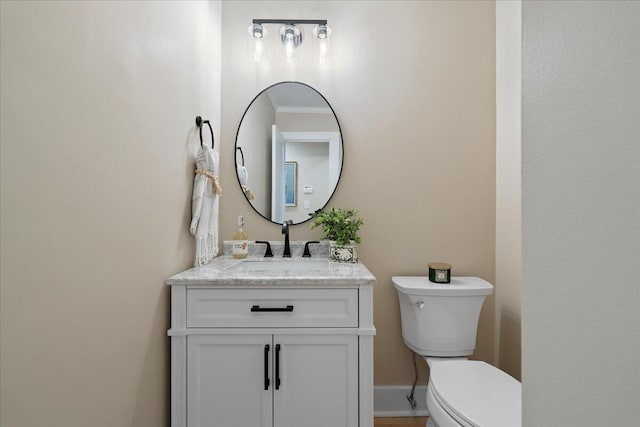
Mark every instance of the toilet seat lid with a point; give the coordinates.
(478, 393)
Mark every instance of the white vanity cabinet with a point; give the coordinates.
(272, 380)
(281, 355)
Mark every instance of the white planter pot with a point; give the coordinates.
(343, 253)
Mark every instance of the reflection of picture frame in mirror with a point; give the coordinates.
(290, 183)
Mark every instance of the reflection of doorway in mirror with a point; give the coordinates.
(290, 183)
(319, 158)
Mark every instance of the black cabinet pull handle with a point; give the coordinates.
(257, 308)
(266, 367)
(277, 366)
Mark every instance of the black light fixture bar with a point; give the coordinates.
(291, 21)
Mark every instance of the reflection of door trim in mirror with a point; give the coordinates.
(278, 184)
(332, 138)
(306, 100)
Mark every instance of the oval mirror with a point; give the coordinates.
(288, 152)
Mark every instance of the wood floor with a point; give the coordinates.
(400, 422)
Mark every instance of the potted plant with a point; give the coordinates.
(340, 227)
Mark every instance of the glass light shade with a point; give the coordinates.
(257, 31)
(322, 32)
(321, 35)
(256, 45)
(291, 38)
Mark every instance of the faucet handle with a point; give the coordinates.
(306, 253)
(267, 253)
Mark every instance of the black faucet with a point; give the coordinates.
(285, 231)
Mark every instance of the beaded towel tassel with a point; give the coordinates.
(213, 178)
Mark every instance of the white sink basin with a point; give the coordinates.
(284, 265)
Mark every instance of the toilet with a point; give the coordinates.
(439, 322)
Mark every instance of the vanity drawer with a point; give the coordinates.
(272, 308)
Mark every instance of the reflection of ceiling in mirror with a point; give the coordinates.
(292, 97)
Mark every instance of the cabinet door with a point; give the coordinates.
(226, 381)
(318, 381)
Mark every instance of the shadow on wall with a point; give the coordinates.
(510, 332)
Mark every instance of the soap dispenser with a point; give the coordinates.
(240, 241)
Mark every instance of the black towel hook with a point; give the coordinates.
(199, 123)
(241, 154)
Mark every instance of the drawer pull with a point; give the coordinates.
(257, 308)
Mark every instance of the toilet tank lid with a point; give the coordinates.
(478, 393)
(462, 286)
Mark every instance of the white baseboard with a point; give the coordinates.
(391, 401)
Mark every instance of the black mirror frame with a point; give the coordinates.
(235, 160)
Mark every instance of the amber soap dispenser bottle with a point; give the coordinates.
(240, 241)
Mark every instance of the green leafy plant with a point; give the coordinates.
(341, 225)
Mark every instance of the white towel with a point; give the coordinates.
(204, 222)
(243, 175)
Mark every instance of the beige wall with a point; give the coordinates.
(97, 144)
(508, 187)
(306, 122)
(255, 141)
(413, 86)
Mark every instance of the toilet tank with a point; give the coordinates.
(441, 319)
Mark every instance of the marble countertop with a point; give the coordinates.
(226, 271)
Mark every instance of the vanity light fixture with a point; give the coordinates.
(291, 36)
